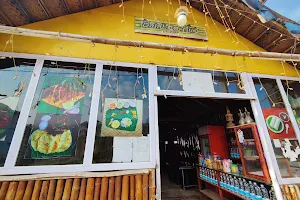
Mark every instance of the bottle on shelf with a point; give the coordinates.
(252, 190)
(246, 189)
(258, 192)
(264, 191)
(236, 185)
(241, 186)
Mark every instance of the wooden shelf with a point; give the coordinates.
(211, 194)
(251, 157)
(207, 181)
(249, 140)
(235, 194)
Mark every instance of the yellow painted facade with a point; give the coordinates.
(107, 22)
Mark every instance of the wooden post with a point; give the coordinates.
(82, 189)
(104, 188)
(44, 190)
(36, 190)
(152, 184)
(97, 188)
(125, 187)
(59, 189)
(20, 190)
(11, 192)
(145, 186)
(75, 189)
(131, 195)
(138, 187)
(3, 190)
(68, 189)
(118, 188)
(111, 188)
(90, 189)
(51, 190)
(28, 191)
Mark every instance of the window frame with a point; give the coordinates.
(265, 138)
(10, 167)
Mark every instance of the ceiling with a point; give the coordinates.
(270, 36)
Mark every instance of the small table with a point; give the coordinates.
(182, 168)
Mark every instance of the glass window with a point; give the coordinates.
(15, 75)
(57, 125)
(185, 79)
(123, 118)
(284, 141)
(292, 89)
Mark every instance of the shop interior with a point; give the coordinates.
(192, 126)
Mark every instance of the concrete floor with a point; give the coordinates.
(172, 191)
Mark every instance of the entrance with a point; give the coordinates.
(180, 123)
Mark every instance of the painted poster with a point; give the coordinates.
(278, 123)
(62, 95)
(57, 122)
(8, 106)
(122, 117)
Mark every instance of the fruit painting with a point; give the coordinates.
(122, 117)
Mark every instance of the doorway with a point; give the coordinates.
(180, 120)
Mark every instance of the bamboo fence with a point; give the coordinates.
(116, 186)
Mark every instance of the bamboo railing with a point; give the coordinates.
(140, 186)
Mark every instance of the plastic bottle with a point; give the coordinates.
(246, 189)
(272, 194)
(252, 190)
(264, 191)
(257, 192)
(231, 183)
(241, 187)
(236, 185)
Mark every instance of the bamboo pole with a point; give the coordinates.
(118, 188)
(36, 190)
(44, 190)
(152, 184)
(82, 189)
(90, 189)
(145, 186)
(51, 190)
(11, 191)
(59, 189)
(72, 175)
(131, 195)
(3, 190)
(75, 189)
(138, 187)
(20, 190)
(125, 188)
(111, 188)
(28, 191)
(67, 189)
(97, 188)
(152, 45)
(104, 188)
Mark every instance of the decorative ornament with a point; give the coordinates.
(248, 119)
(181, 14)
(229, 118)
(242, 118)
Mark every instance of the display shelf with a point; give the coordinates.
(235, 194)
(249, 140)
(211, 194)
(207, 181)
(251, 157)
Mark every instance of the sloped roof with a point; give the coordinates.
(271, 36)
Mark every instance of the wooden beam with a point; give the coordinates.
(238, 21)
(260, 35)
(23, 11)
(44, 8)
(65, 5)
(273, 42)
(249, 28)
(151, 45)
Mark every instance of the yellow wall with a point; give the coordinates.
(106, 22)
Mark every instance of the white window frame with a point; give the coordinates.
(265, 138)
(9, 167)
